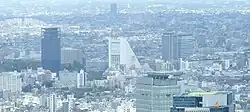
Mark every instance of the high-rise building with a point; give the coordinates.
(52, 103)
(10, 81)
(81, 79)
(170, 47)
(154, 93)
(51, 50)
(114, 53)
(70, 55)
(71, 103)
(113, 9)
(186, 44)
(121, 55)
(43, 100)
(65, 106)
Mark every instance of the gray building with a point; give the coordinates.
(65, 106)
(154, 93)
(170, 47)
(186, 44)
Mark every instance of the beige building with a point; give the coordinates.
(10, 81)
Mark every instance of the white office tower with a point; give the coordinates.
(121, 55)
(11, 81)
(52, 103)
(81, 79)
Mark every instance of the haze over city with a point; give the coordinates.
(124, 56)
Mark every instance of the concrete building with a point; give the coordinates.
(154, 93)
(170, 48)
(51, 49)
(71, 103)
(81, 79)
(52, 103)
(187, 101)
(67, 79)
(113, 9)
(121, 55)
(70, 55)
(186, 44)
(222, 98)
(65, 107)
(11, 81)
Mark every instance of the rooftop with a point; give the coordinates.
(207, 93)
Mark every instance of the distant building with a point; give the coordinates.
(221, 98)
(154, 93)
(43, 100)
(65, 106)
(170, 47)
(186, 44)
(52, 103)
(121, 55)
(201, 109)
(81, 79)
(67, 79)
(70, 55)
(71, 103)
(96, 65)
(113, 9)
(51, 49)
(10, 81)
(187, 101)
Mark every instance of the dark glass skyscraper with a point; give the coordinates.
(51, 49)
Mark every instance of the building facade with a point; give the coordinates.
(51, 49)
(154, 93)
(70, 55)
(52, 103)
(10, 81)
(113, 9)
(170, 47)
(81, 79)
(186, 44)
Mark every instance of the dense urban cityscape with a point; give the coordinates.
(124, 56)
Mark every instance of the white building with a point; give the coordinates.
(121, 55)
(81, 79)
(184, 65)
(52, 103)
(222, 98)
(71, 100)
(10, 81)
(69, 55)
